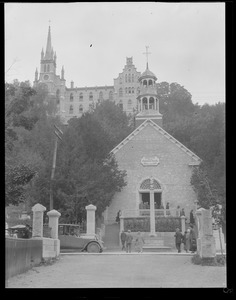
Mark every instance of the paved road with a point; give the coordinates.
(126, 270)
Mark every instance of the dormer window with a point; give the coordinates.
(150, 82)
(145, 82)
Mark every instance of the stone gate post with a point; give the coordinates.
(205, 243)
(38, 211)
(91, 220)
(53, 216)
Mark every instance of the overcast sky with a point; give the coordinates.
(186, 40)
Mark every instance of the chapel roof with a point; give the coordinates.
(197, 160)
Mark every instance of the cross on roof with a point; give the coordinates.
(147, 53)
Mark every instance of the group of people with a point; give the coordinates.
(188, 239)
(127, 239)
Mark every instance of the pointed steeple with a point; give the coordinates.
(36, 75)
(48, 53)
(42, 54)
(62, 72)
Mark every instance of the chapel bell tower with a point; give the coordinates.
(148, 102)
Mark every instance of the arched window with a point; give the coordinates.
(71, 111)
(125, 77)
(132, 90)
(151, 103)
(90, 96)
(81, 108)
(129, 90)
(145, 82)
(48, 70)
(126, 90)
(110, 95)
(130, 104)
(145, 105)
(45, 68)
(146, 184)
(132, 77)
(81, 97)
(71, 97)
(120, 92)
(101, 96)
(149, 82)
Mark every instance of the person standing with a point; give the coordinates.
(129, 239)
(167, 208)
(186, 240)
(191, 218)
(182, 213)
(118, 216)
(192, 239)
(178, 211)
(139, 242)
(178, 239)
(123, 239)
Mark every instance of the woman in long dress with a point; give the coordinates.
(139, 242)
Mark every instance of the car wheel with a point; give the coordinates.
(93, 247)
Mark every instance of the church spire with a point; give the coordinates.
(48, 53)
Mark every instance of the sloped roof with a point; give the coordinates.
(164, 133)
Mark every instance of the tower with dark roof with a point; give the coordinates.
(148, 102)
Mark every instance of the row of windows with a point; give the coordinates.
(81, 109)
(127, 91)
(128, 78)
(149, 82)
(81, 96)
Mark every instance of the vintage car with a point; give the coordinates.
(72, 239)
(20, 231)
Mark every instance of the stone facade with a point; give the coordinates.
(173, 172)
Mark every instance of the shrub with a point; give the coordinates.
(167, 224)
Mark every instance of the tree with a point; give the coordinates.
(25, 110)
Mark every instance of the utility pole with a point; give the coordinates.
(58, 134)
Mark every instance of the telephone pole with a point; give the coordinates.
(58, 134)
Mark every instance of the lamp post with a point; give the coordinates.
(57, 132)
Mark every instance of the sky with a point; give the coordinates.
(92, 41)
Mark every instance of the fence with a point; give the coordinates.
(21, 255)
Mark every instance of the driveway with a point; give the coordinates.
(116, 271)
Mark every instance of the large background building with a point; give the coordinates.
(74, 101)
